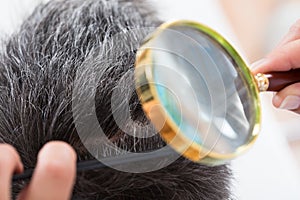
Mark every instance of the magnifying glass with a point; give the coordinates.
(199, 93)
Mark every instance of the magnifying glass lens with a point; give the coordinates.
(204, 88)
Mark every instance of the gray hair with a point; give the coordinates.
(38, 66)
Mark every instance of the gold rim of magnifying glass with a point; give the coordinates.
(169, 131)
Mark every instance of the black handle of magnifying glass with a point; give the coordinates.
(275, 81)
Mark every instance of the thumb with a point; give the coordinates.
(284, 58)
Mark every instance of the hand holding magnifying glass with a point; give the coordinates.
(285, 57)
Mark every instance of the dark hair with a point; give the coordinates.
(37, 70)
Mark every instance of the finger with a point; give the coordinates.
(288, 98)
(23, 193)
(293, 34)
(10, 162)
(283, 59)
(55, 173)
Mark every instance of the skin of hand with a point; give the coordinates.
(53, 177)
(284, 57)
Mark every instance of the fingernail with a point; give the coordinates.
(290, 103)
(258, 63)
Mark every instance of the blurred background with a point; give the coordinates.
(271, 169)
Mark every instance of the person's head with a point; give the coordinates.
(38, 66)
